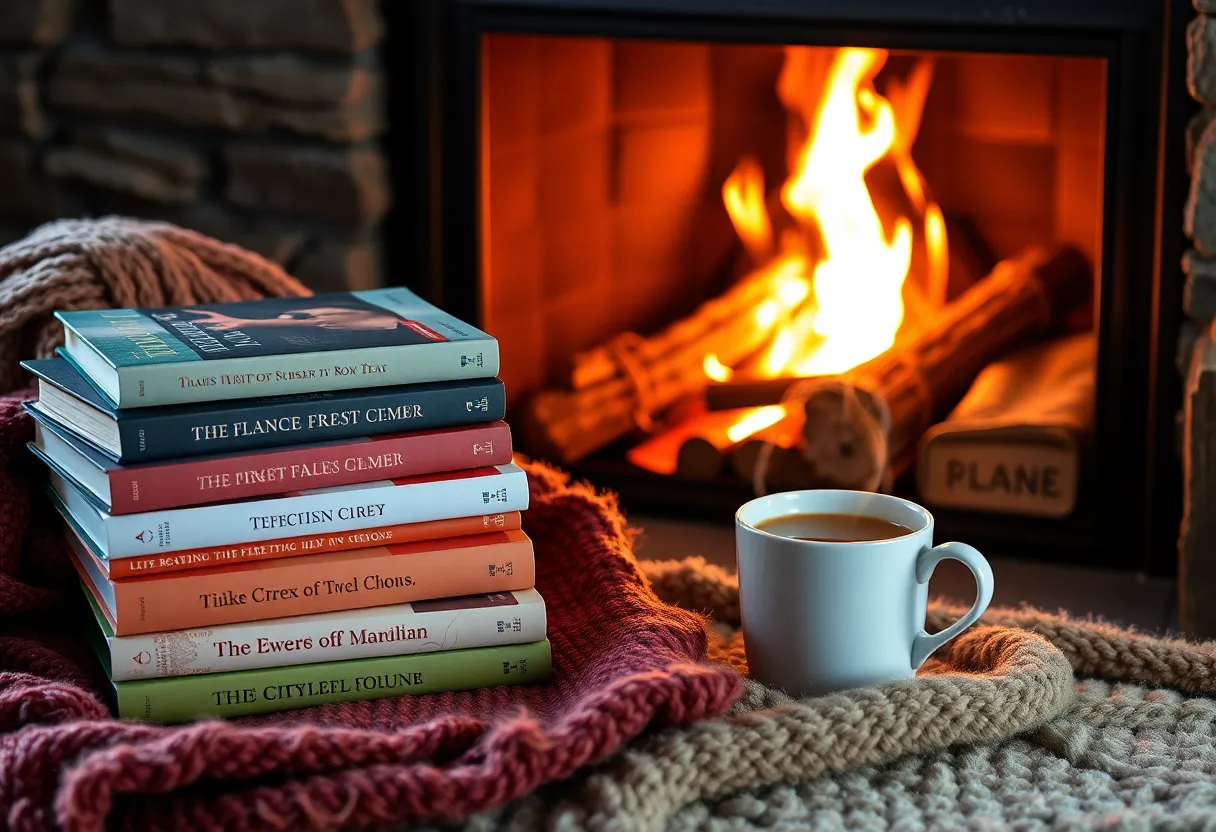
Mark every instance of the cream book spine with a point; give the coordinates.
(487, 620)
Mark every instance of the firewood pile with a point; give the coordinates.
(627, 384)
(856, 430)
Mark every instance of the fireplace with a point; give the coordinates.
(564, 172)
(650, 206)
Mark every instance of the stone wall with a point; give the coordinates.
(1197, 343)
(254, 121)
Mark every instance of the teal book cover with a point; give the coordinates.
(274, 326)
(273, 347)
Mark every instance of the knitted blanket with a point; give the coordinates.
(1030, 720)
(1027, 721)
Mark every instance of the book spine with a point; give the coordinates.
(286, 547)
(247, 692)
(294, 587)
(215, 479)
(306, 639)
(320, 513)
(153, 435)
(284, 375)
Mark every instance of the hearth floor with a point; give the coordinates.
(1148, 604)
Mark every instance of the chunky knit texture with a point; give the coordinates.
(942, 752)
(116, 262)
(1122, 757)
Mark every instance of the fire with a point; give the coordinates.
(841, 297)
(758, 419)
(858, 284)
(743, 195)
(935, 242)
(715, 369)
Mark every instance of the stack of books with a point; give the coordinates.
(352, 533)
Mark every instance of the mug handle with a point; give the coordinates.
(924, 644)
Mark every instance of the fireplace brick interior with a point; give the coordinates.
(1017, 146)
(603, 162)
(602, 212)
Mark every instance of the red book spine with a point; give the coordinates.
(223, 478)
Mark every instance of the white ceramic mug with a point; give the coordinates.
(826, 616)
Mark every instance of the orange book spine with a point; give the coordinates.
(494, 562)
(121, 569)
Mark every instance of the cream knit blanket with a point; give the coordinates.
(1027, 721)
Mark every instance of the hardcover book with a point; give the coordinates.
(373, 577)
(211, 479)
(275, 346)
(150, 435)
(456, 623)
(315, 512)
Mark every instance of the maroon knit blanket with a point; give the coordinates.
(622, 662)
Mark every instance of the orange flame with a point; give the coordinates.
(858, 285)
(851, 306)
(715, 369)
(758, 419)
(743, 195)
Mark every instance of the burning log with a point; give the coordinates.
(771, 459)
(704, 453)
(620, 386)
(748, 392)
(866, 424)
(729, 326)
(664, 453)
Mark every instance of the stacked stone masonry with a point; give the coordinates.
(254, 121)
(1197, 343)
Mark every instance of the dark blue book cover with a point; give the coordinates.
(148, 435)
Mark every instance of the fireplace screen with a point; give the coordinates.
(681, 240)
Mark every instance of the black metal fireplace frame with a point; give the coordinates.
(1136, 503)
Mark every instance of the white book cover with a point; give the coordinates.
(319, 511)
(515, 617)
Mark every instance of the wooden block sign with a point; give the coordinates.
(1013, 443)
(1028, 477)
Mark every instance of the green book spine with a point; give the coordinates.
(183, 698)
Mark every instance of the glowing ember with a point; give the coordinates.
(758, 419)
(715, 369)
